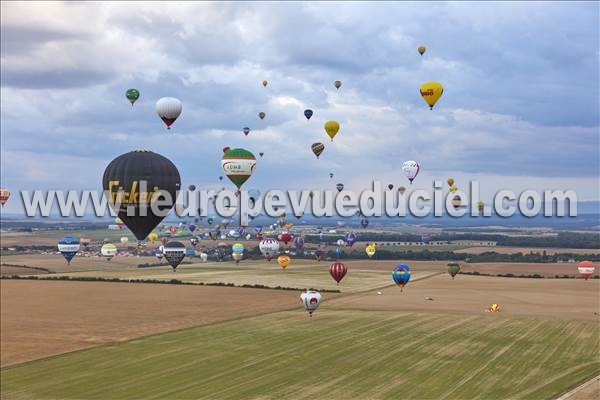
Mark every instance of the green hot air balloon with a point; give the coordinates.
(238, 165)
(132, 95)
(453, 269)
(135, 179)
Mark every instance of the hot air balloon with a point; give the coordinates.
(246, 132)
(390, 186)
(453, 269)
(338, 253)
(453, 188)
(269, 247)
(411, 169)
(480, 205)
(370, 250)
(317, 148)
(173, 229)
(285, 237)
(339, 187)
(283, 261)
(431, 92)
(425, 238)
(168, 109)
(214, 233)
(311, 300)
(421, 50)
(319, 255)
(124, 239)
(238, 165)
(108, 251)
(332, 128)
(364, 222)
(402, 189)
(4, 195)
(450, 181)
(132, 95)
(298, 243)
(174, 253)
(261, 154)
(85, 241)
(237, 248)
(456, 202)
(401, 275)
(261, 115)
(68, 246)
(331, 175)
(350, 238)
(308, 113)
(337, 84)
(159, 255)
(194, 241)
(337, 270)
(265, 83)
(124, 180)
(586, 269)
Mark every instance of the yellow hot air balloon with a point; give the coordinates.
(332, 128)
(453, 188)
(480, 205)
(283, 261)
(431, 92)
(370, 250)
(421, 50)
(265, 83)
(450, 181)
(152, 237)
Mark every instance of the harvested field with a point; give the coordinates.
(44, 318)
(527, 250)
(546, 269)
(336, 354)
(568, 299)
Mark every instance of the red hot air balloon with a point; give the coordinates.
(337, 270)
(586, 269)
(285, 237)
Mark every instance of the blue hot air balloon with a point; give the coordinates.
(338, 253)
(68, 246)
(190, 252)
(364, 222)
(350, 238)
(401, 275)
(192, 227)
(308, 113)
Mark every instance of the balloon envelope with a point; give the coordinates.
(133, 179)
(332, 128)
(174, 253)
(317, 148)
(168, 109)
(308, 113)
(239, 165)
(431, 93)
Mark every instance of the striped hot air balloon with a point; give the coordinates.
(317, 148)
(586, 269)
(338, 271)
(401, 275)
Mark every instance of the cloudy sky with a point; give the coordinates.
(520, 107)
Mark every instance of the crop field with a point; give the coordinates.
(337, 354)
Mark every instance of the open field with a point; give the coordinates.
(337, 354)
(546, 269)
(43, 318)
(57, 263)
(568, 299)
(527, 250)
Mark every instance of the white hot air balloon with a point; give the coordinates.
(124, 239)
(108, 251)
(411, 169)
(269, 247)
(311, 300)
(168, 109)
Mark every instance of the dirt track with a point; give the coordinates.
(554, 298)
(40, 319)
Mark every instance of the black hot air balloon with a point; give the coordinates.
(174, 253)
(124, 180)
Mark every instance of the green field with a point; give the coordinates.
(334, 355)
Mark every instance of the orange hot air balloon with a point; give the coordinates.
(284, 261)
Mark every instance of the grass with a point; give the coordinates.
(333, 355)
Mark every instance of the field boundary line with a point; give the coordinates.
(570, 393)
